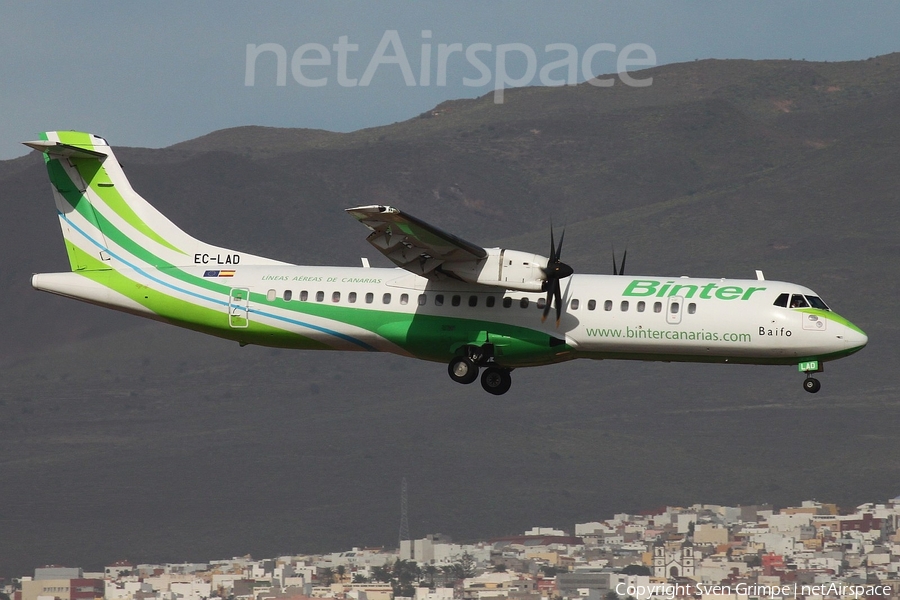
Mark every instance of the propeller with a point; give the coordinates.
(619, 270)
(554, 271)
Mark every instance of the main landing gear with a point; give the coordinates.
(496, 381)
(464, 369)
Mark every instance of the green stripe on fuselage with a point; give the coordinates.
(190, 315)
(430, 337)
(438, 337)
(833, 316)
(715, 358)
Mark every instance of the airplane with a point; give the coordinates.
(448, 300)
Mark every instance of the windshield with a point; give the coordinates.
(800, 301)
(816, 302)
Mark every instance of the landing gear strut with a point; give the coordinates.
(464, 369)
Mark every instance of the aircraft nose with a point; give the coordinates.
(855, 337)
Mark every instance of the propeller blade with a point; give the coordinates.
(554, 271)
(553, 257)
(618, 270)
(559, 248)
(558, 298)
(547, 303)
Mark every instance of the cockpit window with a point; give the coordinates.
(816, 302)
(798, 301)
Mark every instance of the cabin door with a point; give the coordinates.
(674, 308)
(239, 308)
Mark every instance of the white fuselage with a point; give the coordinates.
(605, 316)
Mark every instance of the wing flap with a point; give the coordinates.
(411, 243)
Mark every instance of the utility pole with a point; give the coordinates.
(404, 516)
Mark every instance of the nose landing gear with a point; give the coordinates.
(811, 384)
(464, 369)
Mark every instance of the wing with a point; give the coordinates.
(411, 243)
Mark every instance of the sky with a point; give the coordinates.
(152, 74)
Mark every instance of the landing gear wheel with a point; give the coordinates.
(496, 381)
(811, 385)
(463, 370)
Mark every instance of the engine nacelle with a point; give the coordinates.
(510, 269)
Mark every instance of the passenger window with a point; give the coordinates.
(320, 296)
(473, 301)
(304, 296)
(351, 297)
(386, 299)
(641, 305)
(490, 301)
(541, 303)
(270, 295)
(607, 305)
(624, 306)
(439, 300)
(673, 308)
(336, 297)
(782, 300)
(456, 300)
(288, 294)
(692, 308)
(370, 297)
(798, 301)
(404, 298)
(592, 304)
(574, 304)
(657, 307)
(507, 302)
(422, 299)
(523, 302)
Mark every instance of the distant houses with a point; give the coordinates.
(701, 552)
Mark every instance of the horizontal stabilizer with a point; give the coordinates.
(58, 149)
